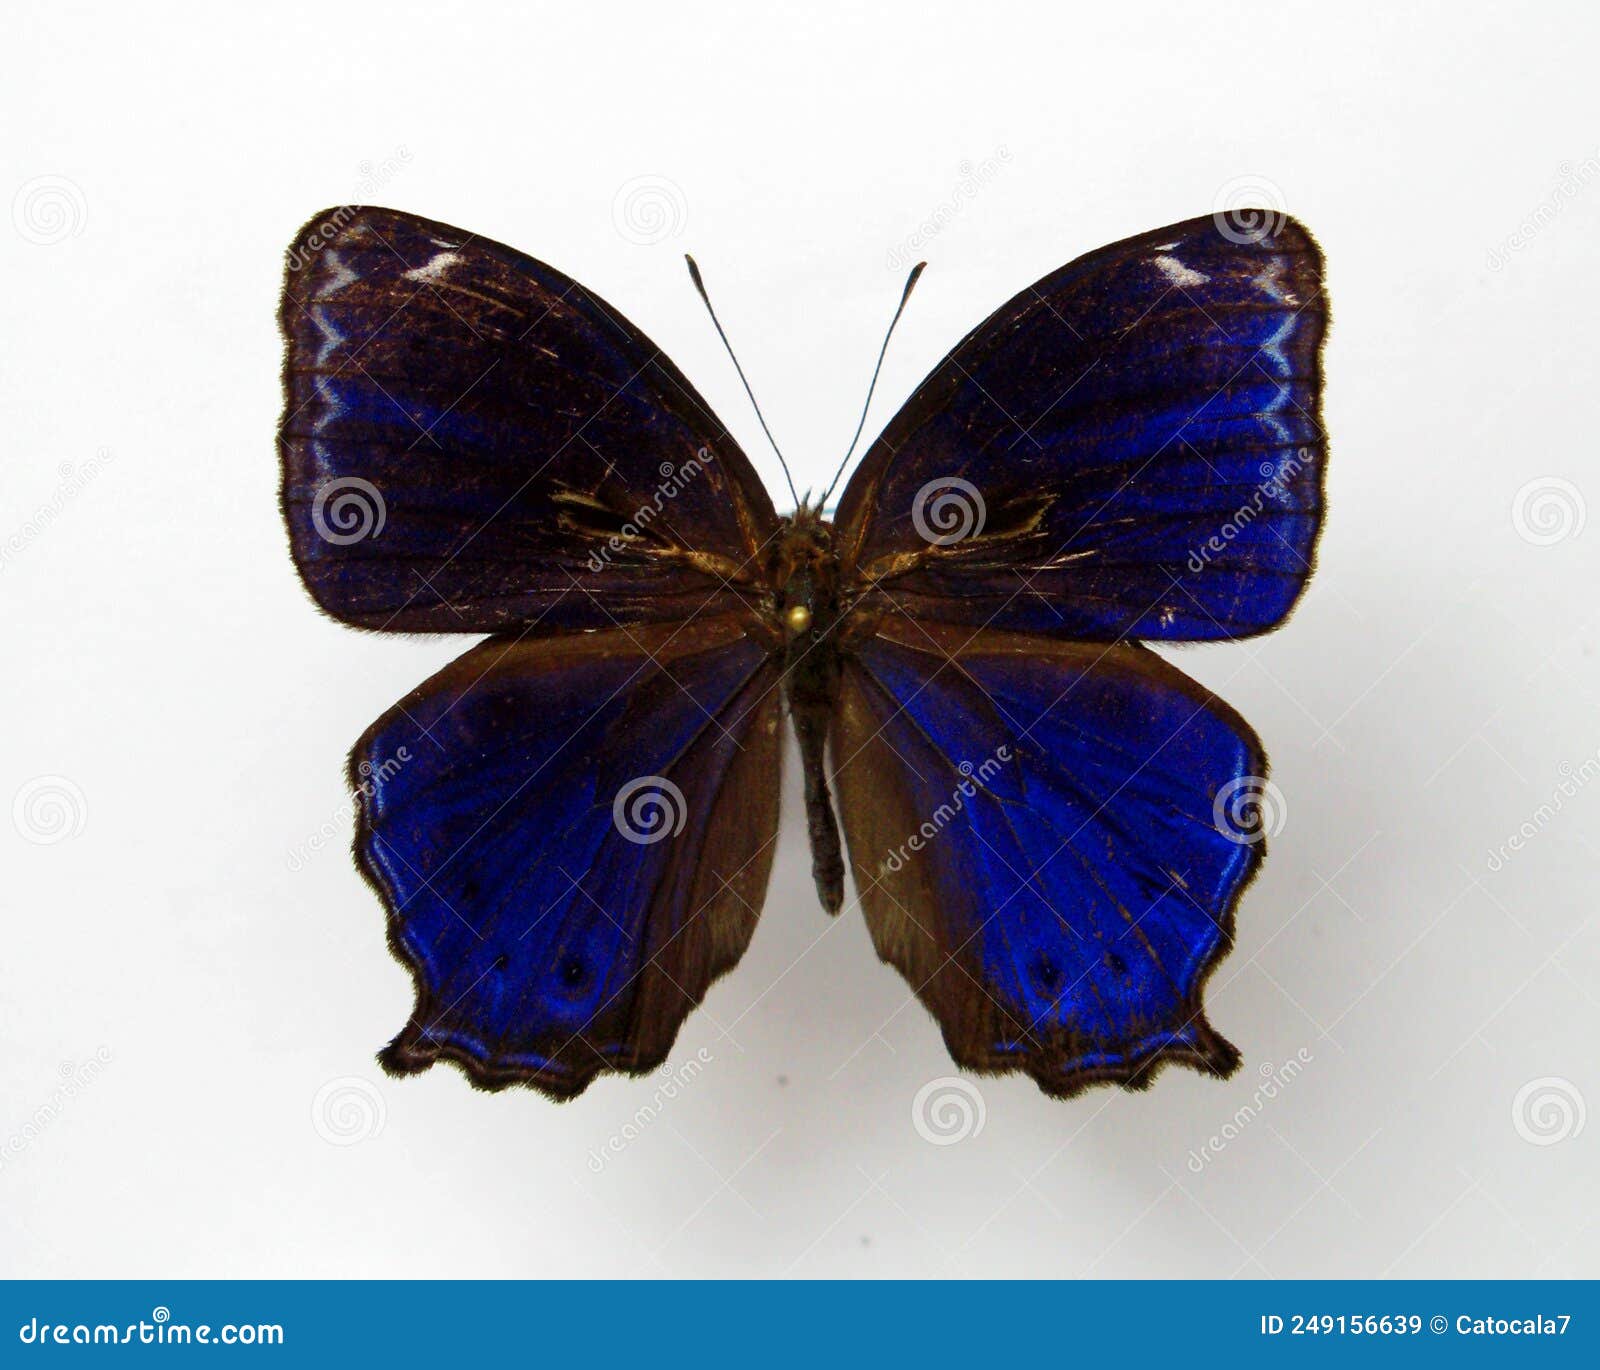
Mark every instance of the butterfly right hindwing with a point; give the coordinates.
(1031, 829)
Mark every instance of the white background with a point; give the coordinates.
(190, 711)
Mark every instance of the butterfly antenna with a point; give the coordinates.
(872, 385)
(700, 285)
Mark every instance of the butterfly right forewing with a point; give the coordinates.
(1131, 447)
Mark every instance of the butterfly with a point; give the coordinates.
(572, 825)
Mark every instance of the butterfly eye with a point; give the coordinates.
(1047, 973)
(1116, 963)
(573, 972)
(797, 618)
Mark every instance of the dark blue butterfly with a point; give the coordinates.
(572, 825)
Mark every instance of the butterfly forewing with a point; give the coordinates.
(1131, 447)
(473, 441)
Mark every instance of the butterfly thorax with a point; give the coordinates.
(805, 576)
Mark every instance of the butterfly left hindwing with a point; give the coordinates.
(573, 838)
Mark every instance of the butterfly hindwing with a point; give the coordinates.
(1131, 447)
(572, 837)
(1032, 829)
(473, 441)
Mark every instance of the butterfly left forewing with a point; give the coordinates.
(1032, 828)
(572, 837)
(472, 441)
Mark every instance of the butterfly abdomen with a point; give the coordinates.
(806, 573)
